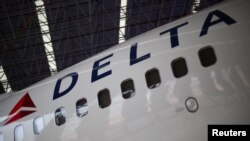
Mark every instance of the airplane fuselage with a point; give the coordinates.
(167, 84)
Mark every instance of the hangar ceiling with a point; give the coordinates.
(39, 38)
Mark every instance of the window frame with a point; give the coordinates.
(174, 70)
(36, 132)
(109, 98)
(1, 136)
(85, 105)
(63, 114)
(147, 81)
(17, 135)
(128, 94)
(202, 58)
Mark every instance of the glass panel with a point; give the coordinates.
(60, 116)
(19, 133)
(104, 98)
(38, 125)
(128, 88)
(207, 56)
(81, 107)
(179, 67)
(153, 78)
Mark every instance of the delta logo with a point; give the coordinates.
(24, 107)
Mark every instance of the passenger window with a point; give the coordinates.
(1, 137)
(104, 98)
(179, 67)
(128, 88)
(38, 125)
(60, 116)
(153, 78)
(81, 107)
(19, 133)
(207, 56)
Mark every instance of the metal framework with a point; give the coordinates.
(39, 38)
(42, 18)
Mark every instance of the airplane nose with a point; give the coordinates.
(191, 104)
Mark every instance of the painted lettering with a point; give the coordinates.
(222, 18)
(133, 55)
(57, 93)
(97, 66)
(174, 34)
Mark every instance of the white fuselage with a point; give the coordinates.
(222, 90)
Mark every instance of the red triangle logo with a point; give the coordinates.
(25, 101)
